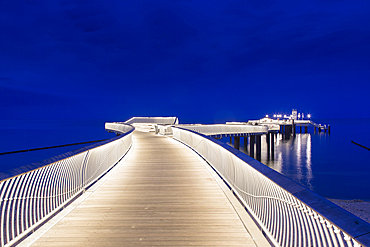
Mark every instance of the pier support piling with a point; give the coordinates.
(268, 144)
(251, 145)
(245, 143)
(272, 141)
(236, 142)
(258, 147)
(288, 131)
(305, 129)
(281, 129)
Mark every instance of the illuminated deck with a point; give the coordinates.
(162, 194)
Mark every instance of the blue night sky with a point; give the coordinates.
(207, 61)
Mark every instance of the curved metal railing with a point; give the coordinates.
(153, 120)
(118, 127)
(148, 124)
(31, 197)
(225, 129)
(288, 213)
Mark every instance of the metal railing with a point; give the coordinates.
(225, 129)
(31, 197)
(153, 120)
(117, 127)
(148, 124)
(288, 213)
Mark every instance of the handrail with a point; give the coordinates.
(50, 147)
(225, 129)
(118, 127)
(31, 195)
(288, 213)
(153, 120)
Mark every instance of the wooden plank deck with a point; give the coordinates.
(161, 195)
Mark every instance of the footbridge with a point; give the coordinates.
(143, 188)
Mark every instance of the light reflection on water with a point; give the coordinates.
(328, 164)
(292, 157)
(308, 160)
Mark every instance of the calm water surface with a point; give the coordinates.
(328, 164)
(27, 134)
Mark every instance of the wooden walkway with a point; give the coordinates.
(161, 195)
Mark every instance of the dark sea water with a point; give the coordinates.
(28, 134)
(328, 164)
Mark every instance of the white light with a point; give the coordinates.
(309, 115)
(267, 115)
(274, 115)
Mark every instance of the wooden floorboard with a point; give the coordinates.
(162, 195)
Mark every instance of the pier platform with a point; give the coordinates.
(161, 194)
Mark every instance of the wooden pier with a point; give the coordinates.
(161, 195)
